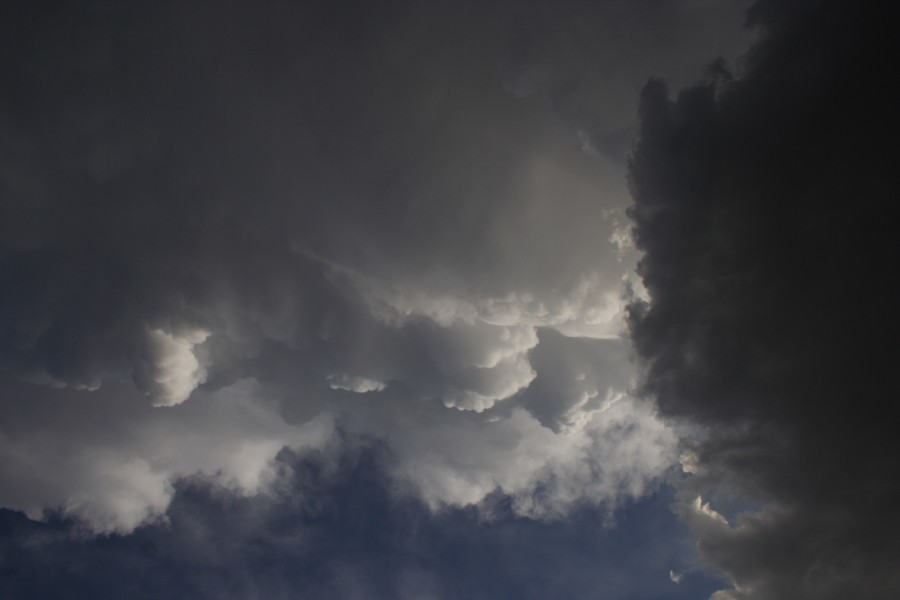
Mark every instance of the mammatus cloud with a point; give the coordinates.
(279, 220)
(166, 368)
(758, 202)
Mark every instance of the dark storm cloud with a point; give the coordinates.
(166, 169)
(158, 190)
(761, 205)
(265, 217)
(334, 529)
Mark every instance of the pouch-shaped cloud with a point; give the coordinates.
(167, 370)
(267, 215)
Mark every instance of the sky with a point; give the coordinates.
(448, 300)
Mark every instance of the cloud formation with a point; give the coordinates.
(335, 529)
(267, 218)
(166, 368)
(112, 461)
(759, 206)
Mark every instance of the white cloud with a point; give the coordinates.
(462, 459)
(167, 369)
(705, 511)
(117, 472)
(360, 385)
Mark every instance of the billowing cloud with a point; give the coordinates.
(111, 460)
(461, 459)
(230, 229)
(759, 200)
(336, 529)
(166, 367)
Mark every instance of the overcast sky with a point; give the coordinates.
(447, 300)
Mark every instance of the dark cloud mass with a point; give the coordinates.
(761, 201)
(331, 299)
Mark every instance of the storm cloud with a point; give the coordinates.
(395, 217)
(360, 286)
(761, 201)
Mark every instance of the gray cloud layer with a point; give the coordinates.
(760, 204)
(268, 219)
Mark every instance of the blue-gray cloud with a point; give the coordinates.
(337, 531)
